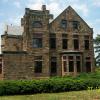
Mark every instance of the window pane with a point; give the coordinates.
(53, 64)
(53, 67)
(70, 57)
(78, 64)
(77, 57)
(64, 36)
(52, 43)
(71, 66)
(76, 44)
(64, 43)
(88, 66)
(86, 44)
(64, 57)
(37, 24)
(38, 67)
(75, 25)
(63, 23)
(37, 42)
(65, 66)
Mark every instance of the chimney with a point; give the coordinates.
(6, 30)
(44, 7)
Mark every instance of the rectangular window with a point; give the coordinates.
(86, 44)
(53, 65)
(52, 41)
(88, 66)
(64, 23)
(78, 65)
(70, 57)
(71, 66)
(75, 25)
(64, 57)
(76, 44)
(65, 66)
(37, 42)
(64, 41)
(64, 35)
(38, 64)
(77, 57)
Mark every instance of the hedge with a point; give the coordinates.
(46, 86)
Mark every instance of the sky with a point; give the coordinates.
(11, 11)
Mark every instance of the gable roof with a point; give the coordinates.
(70, 8)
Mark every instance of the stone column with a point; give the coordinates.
(75, 68)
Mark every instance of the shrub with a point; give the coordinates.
(46, 86)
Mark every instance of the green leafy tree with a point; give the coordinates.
(97, 49)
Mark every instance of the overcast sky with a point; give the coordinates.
(12, 10)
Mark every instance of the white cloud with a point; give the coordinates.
(96, 31)
(53, 6)
(35, 4)
(82, 8)
(55, 9)
(15, 20)
(96, 3)
(17, 4)
(97, 20)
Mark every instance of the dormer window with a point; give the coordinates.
(37, 24)
(63, 23)
(75, 25)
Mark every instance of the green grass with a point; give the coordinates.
(75, 95)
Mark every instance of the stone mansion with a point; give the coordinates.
(63, 46)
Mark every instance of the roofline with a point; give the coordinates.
(76, 13)
(11, 36)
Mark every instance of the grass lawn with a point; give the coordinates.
(75, 95)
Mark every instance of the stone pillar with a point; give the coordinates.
(75, 68)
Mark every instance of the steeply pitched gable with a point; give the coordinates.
(70, 15)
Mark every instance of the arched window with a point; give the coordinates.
(37, 24)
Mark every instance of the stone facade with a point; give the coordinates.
(61, 47)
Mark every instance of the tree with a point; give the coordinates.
(97, 49)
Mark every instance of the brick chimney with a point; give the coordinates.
(44, 7)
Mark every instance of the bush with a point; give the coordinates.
(46, 86)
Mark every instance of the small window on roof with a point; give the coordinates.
(63, 23)
(37, 24)
(75, 25)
